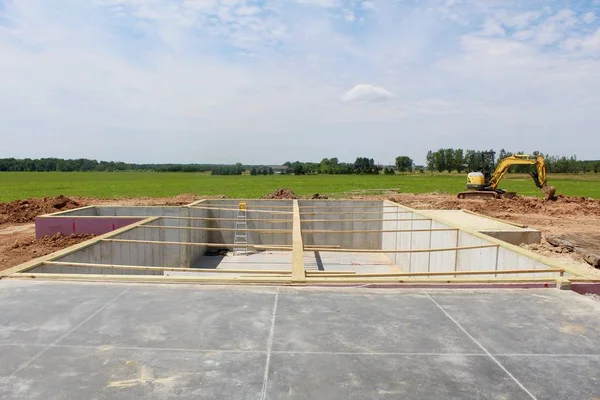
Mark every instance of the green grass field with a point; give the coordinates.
(20, 185)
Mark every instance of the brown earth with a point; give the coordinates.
(281, 194)
(20, 247)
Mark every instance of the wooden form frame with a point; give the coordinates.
(297, 274)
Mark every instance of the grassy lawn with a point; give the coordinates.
(19, 185)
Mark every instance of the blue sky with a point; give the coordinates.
(272, 80)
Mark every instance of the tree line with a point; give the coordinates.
(460, 160)
(449, 159)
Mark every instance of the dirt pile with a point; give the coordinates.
(317, 196)
(285, 194)
(24, 247)
(22, 211)
(518, 205)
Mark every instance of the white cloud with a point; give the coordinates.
(492, 28)
(349, 16)
(367, 93)
(521, 20)
(320, 3)
(368, 6)
(588, 17)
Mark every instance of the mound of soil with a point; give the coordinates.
(22, 211)
(317, 196)
(25, 247)
(518, 205)
(286, 194)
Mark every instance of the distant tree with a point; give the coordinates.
(270, 171)
(388, 171)
(298, 169)
(459, 160)
(430, 161)
(449, 158)
(404, 164)
(439, 160)
(419, 168)
(253, 171)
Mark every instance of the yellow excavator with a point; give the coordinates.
(484, 185)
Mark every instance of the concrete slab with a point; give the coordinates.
(345, 376)
(185, 341)
(320, 321)
(112, 374)
(502, 231)
(166, 317)
(540, 323)
(358, 262)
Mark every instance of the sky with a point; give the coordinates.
(267, 81)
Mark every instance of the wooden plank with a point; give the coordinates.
(155, 278)
(298, 273)
(448, 273)
(306, 221)
(273, 280)
(377, 230)
(235, 209)
(222, 245)
(402, 251)
(349, 213)
(178, 269)
(273, 221)
(193, 228)
(320, 248)
(408, 280)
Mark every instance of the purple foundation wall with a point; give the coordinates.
(74, 225)
(586, 288)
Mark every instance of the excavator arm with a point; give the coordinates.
(539, 177)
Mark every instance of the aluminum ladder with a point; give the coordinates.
(240, 236)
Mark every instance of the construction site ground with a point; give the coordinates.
(115, 341)
(567, 217)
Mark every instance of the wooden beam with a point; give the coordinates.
(200, 228)
(178, 269)
(408, 280)
(350, 213)
(235, 209)
(432, 250)
(342, 207)
(215, 206)
(298, 273)
(320, 248)
(272, 280)
(449, 273)
(306, 246)
(272, 221)
(222, 245)
(378, 230)
(157, 278)
(307, 221)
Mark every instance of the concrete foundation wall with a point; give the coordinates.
(252, 215)
(492, 258)
(352, 211)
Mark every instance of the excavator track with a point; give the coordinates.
(479, 194)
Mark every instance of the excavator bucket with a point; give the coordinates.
(548, 191)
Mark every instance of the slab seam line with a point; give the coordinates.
(481, 347)
(64, 335)
(269, 346)
(292, 352)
